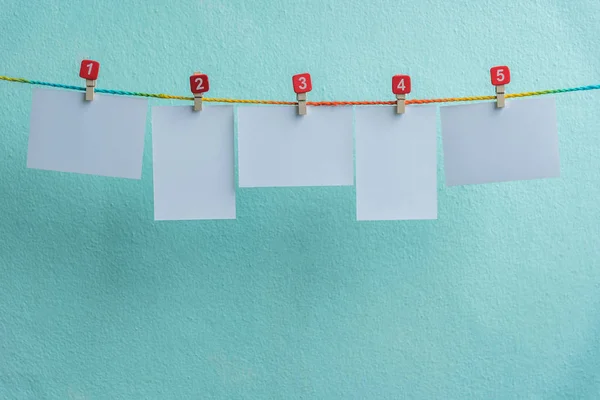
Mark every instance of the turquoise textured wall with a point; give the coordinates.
(497, 299)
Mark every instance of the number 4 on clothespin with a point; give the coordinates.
(500, 76)
(89, 71)
(401, 87)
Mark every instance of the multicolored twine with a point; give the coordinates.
(311, 103)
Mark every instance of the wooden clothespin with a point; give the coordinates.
(199, 85)
(401, 87)
(500, 76)
(89, 71)
(302, 85)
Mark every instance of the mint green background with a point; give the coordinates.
(497, 299)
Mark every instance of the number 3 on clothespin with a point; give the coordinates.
(198, 85)
(500, 76)
(89, 71)
(302, 85)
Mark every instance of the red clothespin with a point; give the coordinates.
(89, 71)
(500, 76)
(199, 85)
(302, 85)
(401, 87)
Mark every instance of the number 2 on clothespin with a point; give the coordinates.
(198, 85)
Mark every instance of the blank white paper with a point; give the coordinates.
(101, 137)
(277, 147)
(193, 163)
(484, 144)
(396, 165)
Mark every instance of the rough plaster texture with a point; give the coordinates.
(497, 299)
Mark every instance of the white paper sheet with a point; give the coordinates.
(396, 165)
(277, 147)
(193, 163)
(483, 144)
(100, 137)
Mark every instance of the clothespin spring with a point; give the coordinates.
(301, 97)
(400, 103)
(500, 96)
(90, 85)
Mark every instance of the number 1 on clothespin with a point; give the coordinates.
(500, 76)
(89, 71)
(302, 85)
(198, 85)
(401, 87)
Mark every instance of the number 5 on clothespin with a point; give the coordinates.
(89, 71)
(500, 76)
